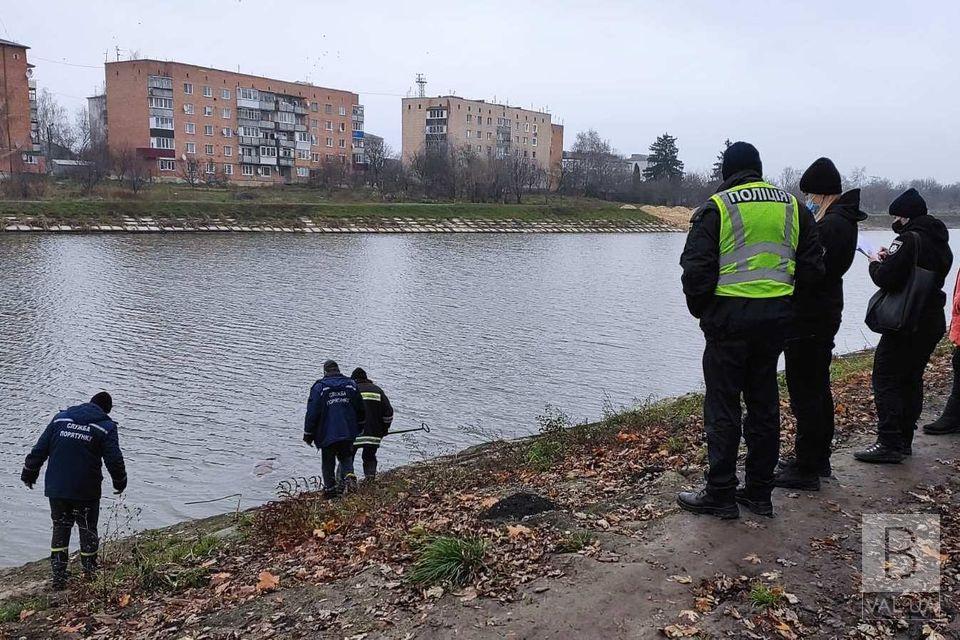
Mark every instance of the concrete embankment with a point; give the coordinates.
(573, 533)
(12, 224)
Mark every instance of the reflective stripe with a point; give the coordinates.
(367, 440)
(59, 549)
(388, 419)
(96, 426)
(736, 222)
(92, 553)
(739, 277)
(788, 230)
(63, 420)
(744, 253)
(371, 395)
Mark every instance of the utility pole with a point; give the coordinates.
(118, 52)
(421, 86)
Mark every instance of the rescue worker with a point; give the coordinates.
(901, 357)
(75, 445)
(379, 416)
(334, 419)
(746, 248)
(818, 311)
(949, 420)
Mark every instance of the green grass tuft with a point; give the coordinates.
(448, 560)
(576, 541)
(11, 609)
(762, 596)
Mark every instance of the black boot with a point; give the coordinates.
(948, 422)
(58, 566)
(880, 453)
(89, 562)
(793, 477)
(704, 502)
(756, 502)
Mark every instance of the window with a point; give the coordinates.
(342, 127)
(188, 108)
(526, 127)
(246, 169)
(313, 124)
(303, 154)
(315, 157)
(252, 132)
(227, 151)
(534, 141)
(161, 122)
(286, 117)
(191, 147)
(470, 118)
(227, 168)
(489, 135)
(534, 154)
(225, 94)
(264, 171)
(314, 106)
(328, 126)
(524, 139)
(479, 147)
(535, 128)
(343, 143)
(189, 127)
(161, 143)
(248, 94)
(469, 133)
(211, 167)
(303, 172)
(328, 109)
(489, 121)
(207, 110)
(343, 111)
(313, 140)
(188, 88)
(226, 132)
(161, 103)
(208, 149)
(329, 142)
(268, 152)
(167, 165)
(29, 158)
(207, 92)
(208, 129)
(225, 114)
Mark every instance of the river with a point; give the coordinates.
(209, 344)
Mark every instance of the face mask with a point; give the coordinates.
(813, 206)
(898, 226)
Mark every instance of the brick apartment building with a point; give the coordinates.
(242, 128)
(19, 132)
(493, 130)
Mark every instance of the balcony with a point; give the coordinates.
(303, 145)
(302, 128)
(302, 111)
(268, 160)
(285, 162)
(286, 126)
(250, 141)
(285, 106)
(246, 103)
(154, 92)
(267, 105)
(287, 144)
(267, 124)
(245, 159)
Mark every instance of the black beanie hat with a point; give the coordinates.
(103, 400)
(909, 204)
(740, 156)
(821, 178)
(358, 374)
(330, 366)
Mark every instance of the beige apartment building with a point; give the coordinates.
(241, 128)
(19, 133)
(493, 130)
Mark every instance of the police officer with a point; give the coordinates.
(819, 309)
(746, 248)
(76, 443)
(334, 418)
(949, 420)
(379, 415)
(901, 357)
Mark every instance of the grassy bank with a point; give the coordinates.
(419, 532)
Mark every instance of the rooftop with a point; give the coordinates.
(10, 43)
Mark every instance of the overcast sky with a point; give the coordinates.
(868, 83)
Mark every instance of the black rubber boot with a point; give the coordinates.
(703, 502)
(89, 562)
(58, 564)
(754, 502)
(948, 422)
(880, 453)
(792, 477)
(826, 470)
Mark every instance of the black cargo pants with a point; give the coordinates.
(808, 359)
(85, 514)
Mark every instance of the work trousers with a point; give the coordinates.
(369, 457)
(336, 463)
(808, 359)
(85, 514)
(743, 366)
(898, 366)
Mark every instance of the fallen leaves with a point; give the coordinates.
(266, 581)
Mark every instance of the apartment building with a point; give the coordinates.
(19, 131)
(494, 130)
(242, 128)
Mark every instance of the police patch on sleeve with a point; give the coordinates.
(895, 247)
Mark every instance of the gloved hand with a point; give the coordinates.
(29, 484)
(29, 477)
(119, 487)
(308, 438)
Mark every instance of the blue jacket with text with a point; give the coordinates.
(334, 411)
(77, 443)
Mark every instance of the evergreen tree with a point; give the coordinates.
(663, 162)
(717, 174)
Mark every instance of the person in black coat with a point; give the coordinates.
(902, 356)
(379, 417)
(77, 443)
(818, 311)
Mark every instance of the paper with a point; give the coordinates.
(866, 247)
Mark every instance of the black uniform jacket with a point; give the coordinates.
(819, 307)
(378, 409)
(724, 316)
(934, 254)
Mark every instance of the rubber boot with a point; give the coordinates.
(756, 502)
(704, 502)
(59, 561)
(949, 420)
(89, 562)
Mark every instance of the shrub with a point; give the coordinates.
(448, 560)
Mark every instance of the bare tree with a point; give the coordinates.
(189, 170)
(378, 153)
(92, 152)
(214, 175)
(53, 123)
(789, 180)
(133, 169)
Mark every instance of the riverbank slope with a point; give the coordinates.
(572, 533)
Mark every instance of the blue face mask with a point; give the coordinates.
(813, 206)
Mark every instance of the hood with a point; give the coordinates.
(337, 381)
(86, 413)
(929, 226)
(740, 177)
(848, 206)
